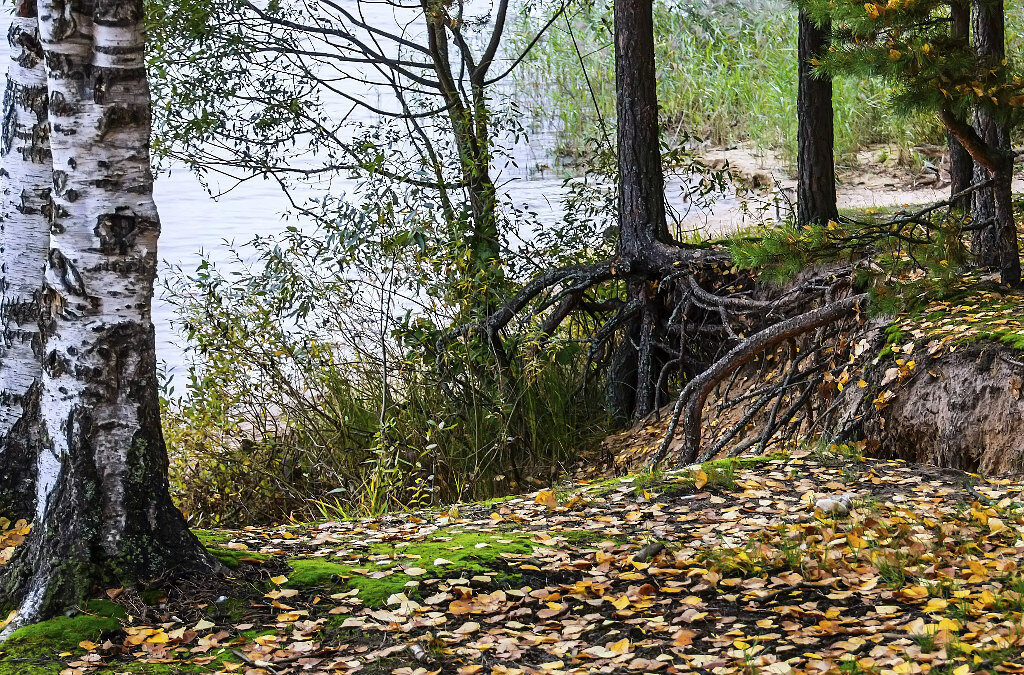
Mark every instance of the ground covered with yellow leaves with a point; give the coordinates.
(725, 568)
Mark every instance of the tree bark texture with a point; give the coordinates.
(816, 181)
(24, 239)
(643, 227)
(103, 509)
(642, 222)
(995, 245)
(468, 114)
(961, 165)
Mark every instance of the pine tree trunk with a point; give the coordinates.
(104, 513)
(816, 181)
(994, 246)
(642, 221)
(961, 165)
(24, 239)
(643, 227)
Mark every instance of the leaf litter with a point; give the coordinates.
(655, 573)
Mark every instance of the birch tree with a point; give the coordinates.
(103, 511)
(24, 238)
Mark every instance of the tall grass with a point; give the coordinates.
(727, 72)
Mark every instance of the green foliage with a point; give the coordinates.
(917, 255)
(909, 47)
(312, 391)
(727, 72)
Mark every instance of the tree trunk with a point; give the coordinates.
(24, 239)
(643, 227)
(104, 514)
(470, 129)
(961, 166)
(642, 222)
(994, 246)
(816, 182)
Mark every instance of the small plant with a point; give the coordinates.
(892, 568)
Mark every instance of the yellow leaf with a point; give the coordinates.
(546, 498)
(700, 479)
(620, 647)
(159, 638)
(996, 525)
(622, 602)
(279, 580)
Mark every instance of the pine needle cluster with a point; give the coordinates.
(910, 44)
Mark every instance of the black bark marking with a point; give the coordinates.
(60, 106)
(62, 22)
(117, 232)
(10, 126)
(17, 457)
(66, 273)
(122, 117)
(117, 12)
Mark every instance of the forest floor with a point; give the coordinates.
(728, 567)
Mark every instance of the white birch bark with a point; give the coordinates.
(104, 512)
(25, 171)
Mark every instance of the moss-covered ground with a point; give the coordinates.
(721, 568)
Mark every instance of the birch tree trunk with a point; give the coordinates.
(104, 516)
(24, 239)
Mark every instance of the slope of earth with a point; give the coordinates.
(723, 568)
(940, 382)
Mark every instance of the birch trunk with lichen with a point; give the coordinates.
(104, 515)
(25, 170)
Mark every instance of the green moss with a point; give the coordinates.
(466, 553)
(213, 537)
(309, 572)
(232, 558)
(31, 649)
(64, 633)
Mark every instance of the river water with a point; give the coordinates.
(194, 222)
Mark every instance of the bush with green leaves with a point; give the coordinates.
(316, 382)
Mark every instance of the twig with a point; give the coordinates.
(249, 662)
(691, 398)
(803, 585)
